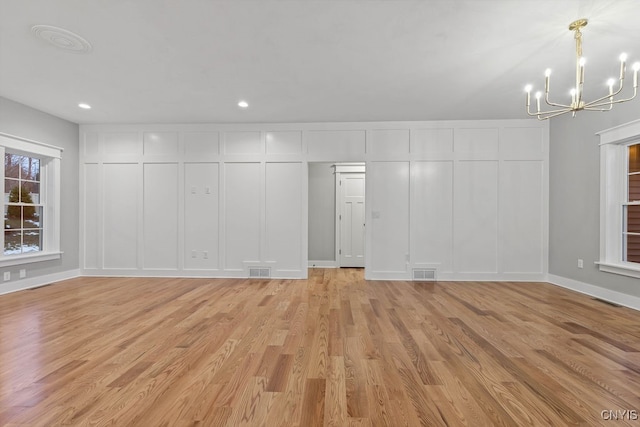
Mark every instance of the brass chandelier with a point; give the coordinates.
(604, 103)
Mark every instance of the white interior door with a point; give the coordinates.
(351, 220)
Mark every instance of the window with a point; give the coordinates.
(31, 202)
(631, 207)
(22, 208)
(620, 200)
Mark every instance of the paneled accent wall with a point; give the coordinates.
(467, 199)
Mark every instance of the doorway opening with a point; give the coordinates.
(336, 215)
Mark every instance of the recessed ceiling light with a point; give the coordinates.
(84, 106)
(243, 104)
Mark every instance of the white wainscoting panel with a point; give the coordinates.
(92, 219)
(521, 216)
(476, 140)
(160, 216)
(389, 217)
(286, 142)
(90, 144)
(242, 143)
(201, 144)
(201, 216)
(345, 145)
(476, 216)
(283, 191)
(121, 143)
(160, 143)
(242, 214)
(426, 141)
(120, 211)
(388, 141)
(432, 214)
(522, 142)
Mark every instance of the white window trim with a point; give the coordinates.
(613, 187)
(50, 178)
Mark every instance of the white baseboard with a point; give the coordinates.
(596, 291)
(37, 281)
(322, 264)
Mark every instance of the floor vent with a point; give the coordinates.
(424, 274)
(259, 272)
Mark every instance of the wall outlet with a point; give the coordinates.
(580, 263)
(205, 254)
(23, 273)
(7, 275)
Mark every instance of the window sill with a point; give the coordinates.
(29, 258)
(625, 269)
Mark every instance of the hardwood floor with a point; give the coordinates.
(331, 350)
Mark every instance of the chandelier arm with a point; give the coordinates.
(617, 101)
(606, 106)
(544, 116)
(596, 101)
(553, 104)
(599, 109)
(531, 114)
(543, 113)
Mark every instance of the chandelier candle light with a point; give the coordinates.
(577, 102)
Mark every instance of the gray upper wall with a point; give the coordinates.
(574, 196)
(19, 120)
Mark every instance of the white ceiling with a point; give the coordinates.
(188, 61)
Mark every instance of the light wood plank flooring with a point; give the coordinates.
(332, 350)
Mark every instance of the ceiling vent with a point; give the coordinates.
(61, 38)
